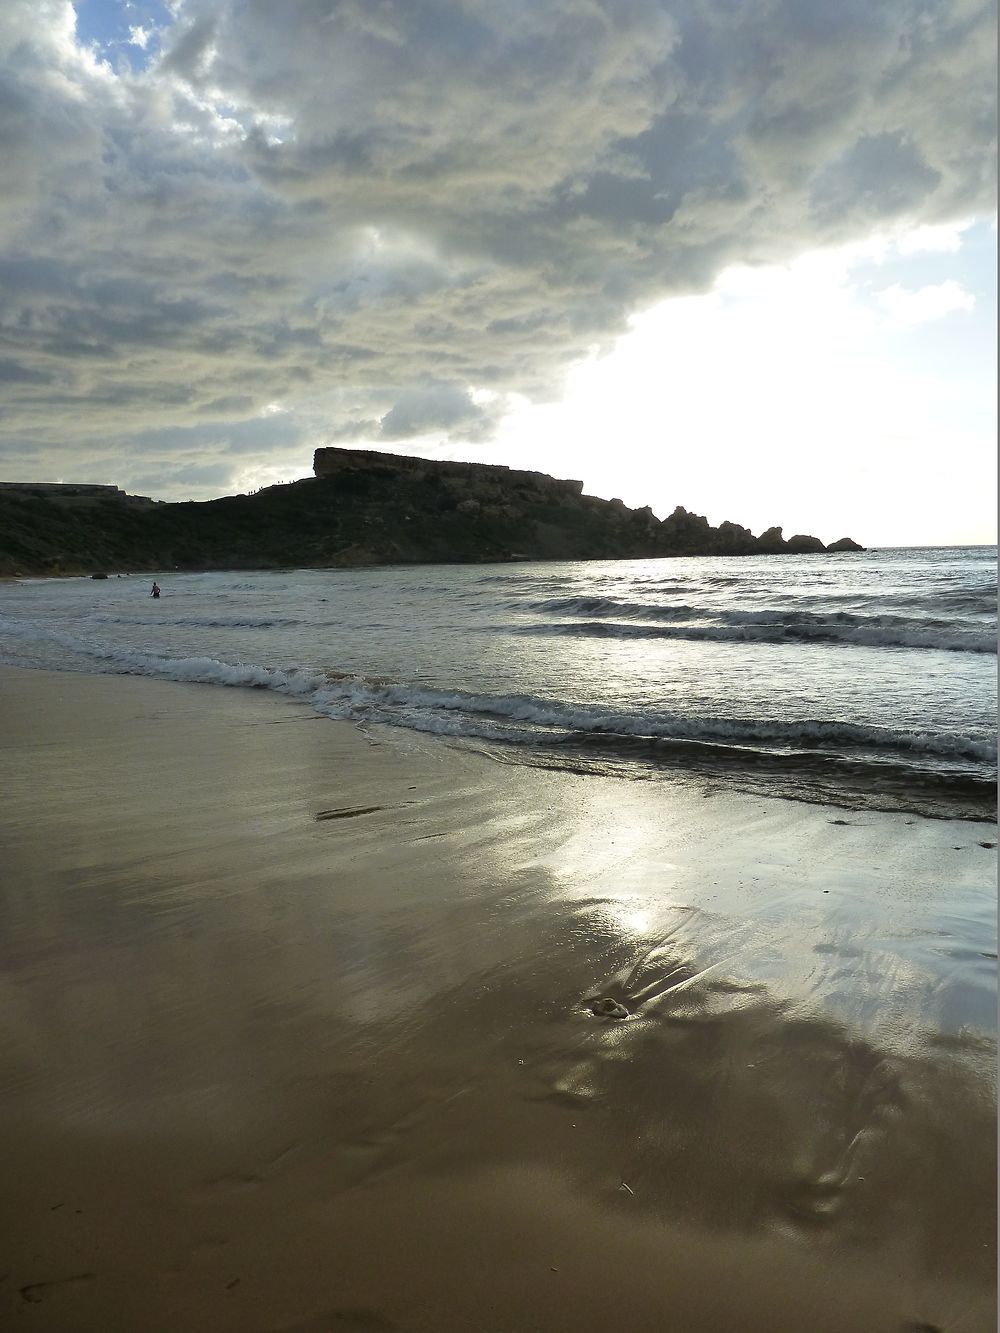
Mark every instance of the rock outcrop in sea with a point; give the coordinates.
(360, 508)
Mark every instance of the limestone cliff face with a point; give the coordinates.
(491, 478)
(361, 508)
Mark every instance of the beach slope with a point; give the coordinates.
(299, 1034)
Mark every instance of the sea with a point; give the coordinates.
(862, 680)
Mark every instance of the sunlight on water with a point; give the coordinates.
(867, 678)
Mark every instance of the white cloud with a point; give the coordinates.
(906, 308)
(944, 238)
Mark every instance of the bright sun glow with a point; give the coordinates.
(787, 394)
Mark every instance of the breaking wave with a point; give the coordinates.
(761, 627)
(526, 719)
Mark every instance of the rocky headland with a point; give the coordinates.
(360, 508)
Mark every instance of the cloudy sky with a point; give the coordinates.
(732, 254)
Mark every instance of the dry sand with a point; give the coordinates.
(295, 1037)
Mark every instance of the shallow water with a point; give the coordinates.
(864, 679)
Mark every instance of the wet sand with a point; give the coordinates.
(296, 1037)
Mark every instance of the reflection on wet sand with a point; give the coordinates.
(288, 1074)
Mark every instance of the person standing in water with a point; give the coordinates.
(156, 590)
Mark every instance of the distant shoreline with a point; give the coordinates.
(277, 569)
(361, 509)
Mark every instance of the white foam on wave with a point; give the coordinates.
(785, 618)
(822, 631)
(513, 717)
(210, 671)
(357, 694)
(197, 670)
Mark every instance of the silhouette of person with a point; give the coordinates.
(156, 590)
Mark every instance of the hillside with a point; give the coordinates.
(360, 509)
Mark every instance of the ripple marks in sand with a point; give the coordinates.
(659, 973)
(863, 1098)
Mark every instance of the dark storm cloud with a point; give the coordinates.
(435, 407)
(13, 372)
(367, 210)
(884, 174)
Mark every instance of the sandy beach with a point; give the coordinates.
(297, 1036)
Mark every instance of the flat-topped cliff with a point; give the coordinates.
(361, 508)
(335, 462)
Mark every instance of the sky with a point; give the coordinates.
(738, 255)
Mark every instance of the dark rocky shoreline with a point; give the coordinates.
(359, 509)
